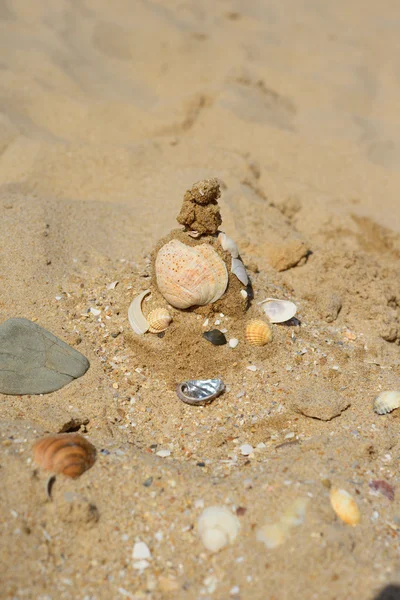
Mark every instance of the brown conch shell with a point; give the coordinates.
(258, 333)
(67, 453)
(159, 319)
(190, 276)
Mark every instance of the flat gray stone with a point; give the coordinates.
(34, 361)
(319, 402)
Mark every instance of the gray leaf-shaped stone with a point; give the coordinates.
(34, 361)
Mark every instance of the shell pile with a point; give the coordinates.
(67, 453)
(258, 333)
(190, 276)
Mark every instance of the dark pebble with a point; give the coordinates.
(148, 482)
(215, 336)
(201, 464)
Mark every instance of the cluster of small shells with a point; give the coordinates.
(217, 527)
(157, 320)
(68, 454)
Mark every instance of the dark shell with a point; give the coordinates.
(215, 336)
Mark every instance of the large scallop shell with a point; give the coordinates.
(278, 311)
(190, 276)
(67, 453)
(386, 402)
(258, 333)
(159, 320)
(345, 506)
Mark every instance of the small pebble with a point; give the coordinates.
(215, 336)
(246, 449)
(243, 293)
(163, 453)
(95, 311)
(252, 368)
(141, 551)
(233, 342)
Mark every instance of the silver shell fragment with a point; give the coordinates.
(386, 402)
(137, 320)
(278, 311)
(199, 391)
(238, 269)
(228, 244)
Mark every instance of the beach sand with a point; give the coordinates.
(109, 112)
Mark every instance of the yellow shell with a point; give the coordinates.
(68, 453)
(345, 506)
(159, 319)
(258, 333)
(190, 275)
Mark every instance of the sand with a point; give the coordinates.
(109, 112)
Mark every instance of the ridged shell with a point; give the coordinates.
(67, 453)
(159, 320)
(345, 506)
(386, 402)
(190, 276)
(258, 333)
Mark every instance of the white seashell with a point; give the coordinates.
(190, 276)
(238, 269)
(217, 527)
(243, 293)
(141, 551)
(386, 402)
(137, 320)
(345, 506)
(278, 311)
(228, 244)
(233, 342)
(159, 320)
(273, 535)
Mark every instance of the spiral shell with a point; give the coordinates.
(345, 506)
(159, 320)
(217, 527)
(258, 333)
(67, 453)
(190, 276)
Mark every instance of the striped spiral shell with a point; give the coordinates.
(159, 319)
(67, 453)
(258, 333)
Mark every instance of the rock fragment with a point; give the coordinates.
(34, 361)
(319, 402)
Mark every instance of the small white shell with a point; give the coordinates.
(228, 244)
(278, 311)
(238, 269)
(159, 320)
(137, 320)
(386, 402)
(233, 342)
(217, 527)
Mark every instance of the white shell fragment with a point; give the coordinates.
(141, 551)
(233, 342)
(238, 269)
(228, 244)
(137, 320)
(386, 402)
(278, 311)
(217, 527)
